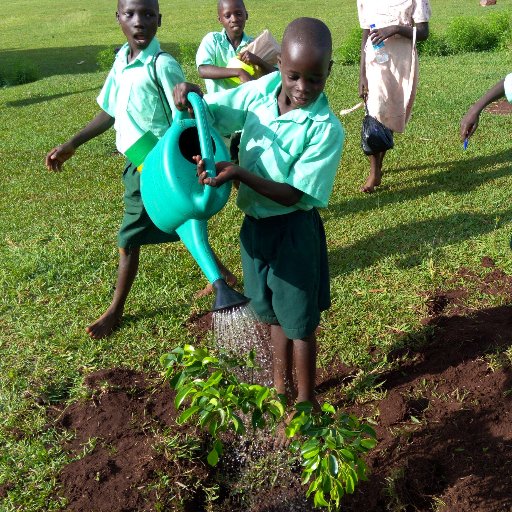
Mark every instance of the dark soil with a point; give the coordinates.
(500, 107)
(444, 427)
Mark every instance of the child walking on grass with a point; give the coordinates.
(389, 88)
(290, 150)
(131, 102)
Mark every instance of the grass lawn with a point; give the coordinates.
(440, 208)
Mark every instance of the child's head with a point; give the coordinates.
(232, 15)
(305, 61)
(139, 20)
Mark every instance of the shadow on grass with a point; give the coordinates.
(78, 59)
(413, 242)
(458, 177)
(41, 99)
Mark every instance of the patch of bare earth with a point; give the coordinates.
(444, 427)
(500, 107)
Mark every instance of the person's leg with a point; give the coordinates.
(127, 270)
(282, 363)
(305, 367)
(375, 177)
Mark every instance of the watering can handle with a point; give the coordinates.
(203, 130)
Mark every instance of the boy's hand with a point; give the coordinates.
(249, 58)
(363, 87)
(57, 156)
(243, 75)
(180, 93)
(469, 124)
(226, 171)
(378, 35)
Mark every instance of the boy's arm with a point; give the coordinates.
(281, 193)
(378, 35)
(206, 62)
(216, 72)
(469, 122)
(58, 155)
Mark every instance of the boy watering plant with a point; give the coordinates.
(290, 149)
(134, 101)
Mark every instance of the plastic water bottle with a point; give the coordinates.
(381, 55)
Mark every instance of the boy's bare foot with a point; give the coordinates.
(228, 277)
(105, 325)
(282, 441)
(371, 183)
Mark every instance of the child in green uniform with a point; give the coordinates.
(131, 102)
(218, 48)
(289, 153)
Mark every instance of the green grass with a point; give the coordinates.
(441, 208)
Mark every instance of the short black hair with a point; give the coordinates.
(309, 32)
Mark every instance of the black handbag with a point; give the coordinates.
(375, 137)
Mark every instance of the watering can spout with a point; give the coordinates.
(226, 297)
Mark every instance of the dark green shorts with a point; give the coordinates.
(137, 228)
(286, 272)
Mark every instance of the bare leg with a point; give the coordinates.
(375, 177)
(110, 320)
(282, 359)
(305, 366)
(228, 276)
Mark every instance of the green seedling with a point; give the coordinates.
(329, 443)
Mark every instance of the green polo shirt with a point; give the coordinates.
(301, 148)
(130, 94)
(216, 50)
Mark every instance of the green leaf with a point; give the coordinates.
(186, 414)
(333, 465)
(349, 484)
(310, 444)
(312, 464)
(257, 419)
(182, 394)
(319, 499)
(347, 454)
(326, 407)
(339, 488)
(306, 407)
(368, 443)
(326, 483)
(310, 454)
(213, 457)
(261, 396)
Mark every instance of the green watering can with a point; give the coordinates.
(176, 201)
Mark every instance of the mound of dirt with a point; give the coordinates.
(444, 426)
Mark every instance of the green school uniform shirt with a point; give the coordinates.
(130, 94)
(508, 87)
(216, 50)
(301, 148)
